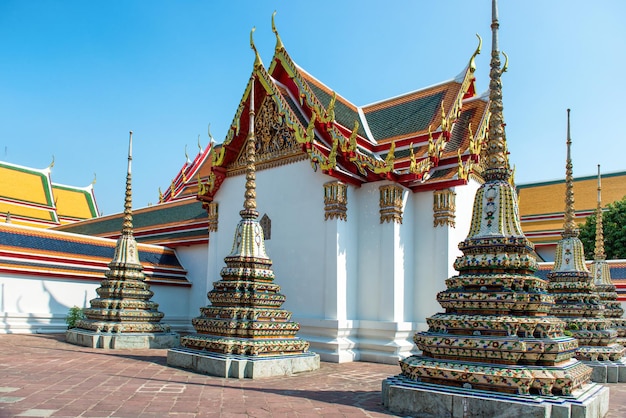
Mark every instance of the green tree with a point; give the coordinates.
(614, 229)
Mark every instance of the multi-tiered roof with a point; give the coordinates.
(426, 139)
(495, 333)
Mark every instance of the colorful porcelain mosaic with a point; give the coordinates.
(495, 333)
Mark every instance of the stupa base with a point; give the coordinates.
(607, 371)
(237, 366)
(121, 341)
(403, 396)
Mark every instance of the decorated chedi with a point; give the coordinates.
(602, 277)
(244, 332)
(495, 336)
(576, 299)
(123, 316)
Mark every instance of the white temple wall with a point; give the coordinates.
(292, 197)
(194, 259)
(428, 265)
(35, 304)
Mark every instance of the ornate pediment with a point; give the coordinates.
(275, 142)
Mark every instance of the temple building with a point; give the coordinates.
(360, 205)
(29, 197)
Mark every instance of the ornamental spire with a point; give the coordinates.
(569, 227)
(127, 226)
(249, 205)
(497, 161)
(599, 250)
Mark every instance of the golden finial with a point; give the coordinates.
(279, 42)
(186, 155)
(210, 136)
(160, 196)
(472, 63)
(52, 163)
(249, 205)
(496, 157)
(127, 226)
(257, 58)
(93, 182)
(389, 160)
(569, 227)
(199, 146)
(598, 253)
(506, 62)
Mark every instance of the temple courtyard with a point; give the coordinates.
(42, 376)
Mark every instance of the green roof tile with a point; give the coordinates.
(404, 118)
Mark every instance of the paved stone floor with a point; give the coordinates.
(42, 376)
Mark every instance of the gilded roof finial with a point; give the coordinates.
(497, 161)
(51, 163)
(257, 58)
(279, 42)
(569, 227)
(93, 182)
(599, 250)
(127, 226)
(210, 136)
(472, 63)
(199, 145)
(249, 205)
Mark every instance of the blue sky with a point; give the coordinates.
(76, 76)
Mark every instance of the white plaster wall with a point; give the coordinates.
(36, 304)
(370, 251)
(33, 304)
(195, 260)
(293, 197)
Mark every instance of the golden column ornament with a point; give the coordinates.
(335, 200)
(213, 214)
(444, 207)
(391, 203)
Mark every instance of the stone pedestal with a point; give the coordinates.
(93, 339)
(404, 397)
(608, 371)
(231, 365)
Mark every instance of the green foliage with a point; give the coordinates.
(74, 315)
(614, 229)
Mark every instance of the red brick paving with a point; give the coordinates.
(42, 376)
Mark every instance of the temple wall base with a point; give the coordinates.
(405, 397)
(338, 341)
(121, 341)
(608, 371)
(241, 367)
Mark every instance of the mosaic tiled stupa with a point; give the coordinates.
(602, 277)
(244, 332)
(576, 299)
(123, 316)
(495, 347)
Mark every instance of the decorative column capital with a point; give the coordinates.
(335, 200)
(391, 203)
(444, 207)
(213, 213)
